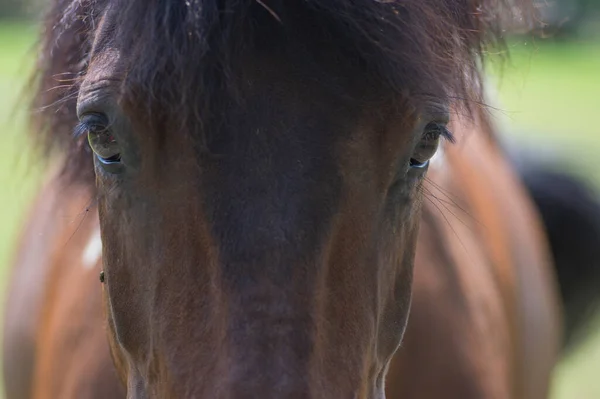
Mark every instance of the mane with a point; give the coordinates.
(405, 44)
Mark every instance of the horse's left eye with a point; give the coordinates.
(101, 139)
(428, 145)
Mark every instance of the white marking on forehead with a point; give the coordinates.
(93, 250)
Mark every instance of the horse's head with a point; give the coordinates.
(258, 170)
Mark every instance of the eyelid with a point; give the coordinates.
(98, 95)
(437, 111)
(85, 124)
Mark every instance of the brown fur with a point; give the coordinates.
(467, 337)
(61, 342)
(489, 282)
(261, 237)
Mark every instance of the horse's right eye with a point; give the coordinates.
(100, 138)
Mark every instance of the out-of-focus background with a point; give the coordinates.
(547, 97)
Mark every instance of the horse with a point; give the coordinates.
(279, 199)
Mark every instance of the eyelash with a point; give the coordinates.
(80, 130)
(448, 135)
(444, 132)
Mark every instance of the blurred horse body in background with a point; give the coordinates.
(272, 194)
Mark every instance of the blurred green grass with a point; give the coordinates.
(548, 95)
(548, 98)
(18, 178)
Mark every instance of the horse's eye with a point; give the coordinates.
(101, 139)
(428, 145)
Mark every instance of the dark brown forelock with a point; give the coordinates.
(183, 52)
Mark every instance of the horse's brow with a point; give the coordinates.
(435, 109)
(95, 94)
(103, 78)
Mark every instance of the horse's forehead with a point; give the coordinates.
(105, 63)
(103, 79)
(101, 34)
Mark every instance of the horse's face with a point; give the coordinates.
(268, 251)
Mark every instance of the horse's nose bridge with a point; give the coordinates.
(270, 209)
(271, 227)
(272, 350)
(273, 205)
(271, 328)
(272, 235)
